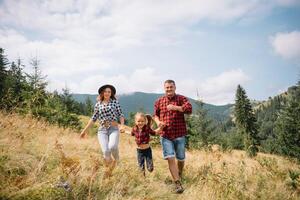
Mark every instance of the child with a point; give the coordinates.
(142, 131)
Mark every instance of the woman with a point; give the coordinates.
(108, 111)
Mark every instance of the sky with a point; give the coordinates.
(207, 46)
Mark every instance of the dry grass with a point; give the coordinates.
(37, 159)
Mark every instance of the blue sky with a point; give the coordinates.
(207, 47)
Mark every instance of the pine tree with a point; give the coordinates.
(68, 100)
(89, 106)
(201, 133)
(130, 120)
(288, 126)
(36, 79)
(3, 75)
(246, 121)
(35, 95)
(17, 80)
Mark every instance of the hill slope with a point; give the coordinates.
(139, 100)
(36, 159)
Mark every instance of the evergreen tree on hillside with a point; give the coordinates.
(246, 121)
(26, 94)
(267, 114)
(3, 75)
(130, 121)
(15, 84)
(200, 127)
(288, 126)
(18, 81)
(36, 79)
(68, 101)
(35, 95)
(89, 106)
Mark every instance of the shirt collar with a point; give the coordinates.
(137, 128)
(110, 100)
(171, 98)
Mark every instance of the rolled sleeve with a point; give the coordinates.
(119, 110)
(186, 106)
(156, 109)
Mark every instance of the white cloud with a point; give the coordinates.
(118, 24)
(77, 40)
(59, 58)
(219, 89)
(141, 79)
(287, 45)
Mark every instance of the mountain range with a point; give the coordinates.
(140, 101)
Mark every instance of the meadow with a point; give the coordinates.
(43, 161)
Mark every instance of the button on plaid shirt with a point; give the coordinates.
(143, 136)
(174, 120)
(107, 112)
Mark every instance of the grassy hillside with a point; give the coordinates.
(137, 100)
(37, 159)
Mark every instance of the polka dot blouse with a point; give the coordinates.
(107, 112)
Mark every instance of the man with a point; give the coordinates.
(169, 113)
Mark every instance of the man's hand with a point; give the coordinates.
(172, 107)
(175, 108)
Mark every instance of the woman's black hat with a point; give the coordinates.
(113, 89)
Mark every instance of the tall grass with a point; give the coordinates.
(42, 161)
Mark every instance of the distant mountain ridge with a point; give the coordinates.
(136, 101)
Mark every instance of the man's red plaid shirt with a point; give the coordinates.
(174, 120)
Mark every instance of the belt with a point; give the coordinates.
(108, 124)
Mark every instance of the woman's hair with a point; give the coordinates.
(147, 117)
(101, 95)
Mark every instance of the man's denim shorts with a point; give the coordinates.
(173, 148)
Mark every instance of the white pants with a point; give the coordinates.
(109, 142)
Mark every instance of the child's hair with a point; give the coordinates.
(147, 117)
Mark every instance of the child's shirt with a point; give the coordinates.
(143, 136)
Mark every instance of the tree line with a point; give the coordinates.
(271, 126)
(26, 93)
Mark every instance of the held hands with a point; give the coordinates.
(160, 127)
(121, 128)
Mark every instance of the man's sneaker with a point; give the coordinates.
(178, 187)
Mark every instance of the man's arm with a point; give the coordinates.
(156, 114)
(186, 107)
(175, 108)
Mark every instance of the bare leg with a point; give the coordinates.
(180, 165)
(173, 169)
